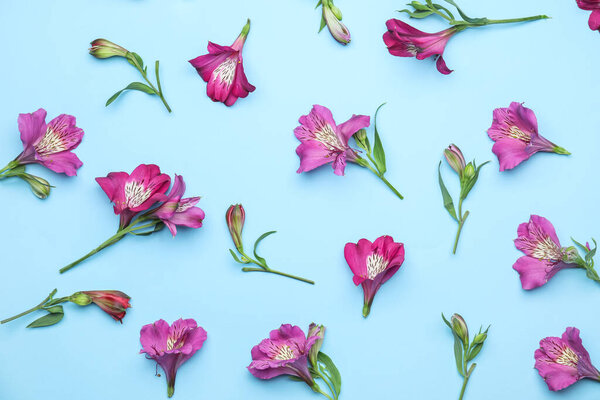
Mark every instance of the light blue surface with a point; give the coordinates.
(246, 154)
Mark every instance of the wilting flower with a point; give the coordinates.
(223, 70)
(515, 131)
(564, 361)
(373, 264)
(324, 142)
(544, 256)
(285, 352)
(455, 159)
(50, 144)
(333, 19)
(102, 48)
(403, 40)
(235, 218)
(179, 211)
(594, 6)
(113, 302)
(137, 192)
(171, 346)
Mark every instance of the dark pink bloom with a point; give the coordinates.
(515, 131)
(171, 346)
(324, 142)
(285, 352)
(50, 144)
(373, 264)
(403, 40)
(113, 302)
(223, 69)
(594, 6)
(136, 192)
(564, 361)
(543, 253)
(179, 211)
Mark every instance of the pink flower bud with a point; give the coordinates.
(332, 16)
(235, 218)
(102, 48)
(112, 302)
(455, 158)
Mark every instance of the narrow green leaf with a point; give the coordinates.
(447, 322)
(582, 246)
(474, 351)
(46, 320)
(331, 371)
(142, 87)
(137, 58)
(378, 153)
(448, 203)
(260, 238)
(318, 4)
(235, 257)
(55, 309)
(157, 228)
(442, 8)
(458, 354)
(323, 23)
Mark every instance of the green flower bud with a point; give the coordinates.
(39, 186)
(81, 299)
(362, 140)
(102, 48)
(479, 338)
(336, 11)
(459, 326)
(319, 331)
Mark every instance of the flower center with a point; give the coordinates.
(516, 133)
(136, 194)
(412, 49)
(226, 71)
(284, 353)
(568, 358)
(546, 249)
(325, 134)
(58, 137)
(376, 264)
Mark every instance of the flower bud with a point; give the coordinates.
(39, 186)
(362, 140)
(336, 28)
(459, 326)
(113, 302)
(455, 159)
(469, 171)
(479, 338)
(235, 218)
(336, 11)
(319, 331)
(102, 48)
(80, 298)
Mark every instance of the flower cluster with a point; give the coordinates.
(49, 145)
(112, 302)
(288, 351)
(144, 206)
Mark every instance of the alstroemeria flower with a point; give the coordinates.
(324, 142)
(594, 6)
(564, 361)
(285, 352)
(113, 302)
(543, 253)
(50, 144)
(515, 131)
(373, 264)
(333, 18)
(179, 211)
(171, 346)
(403, 40)
(223, 70)
(137, 192)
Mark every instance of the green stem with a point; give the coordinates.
(272, 271)
(38, 307)
(513, 20)
(380, 176)
(465, 381)
(331, 389)
(157, 91)
(11, 165)
(112, 240)
(317, 389)
(461, 222)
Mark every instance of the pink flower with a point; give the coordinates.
(50, 144)
(223, 69)
(594, 6)
(543, 253)
(177, 211)
(285, 352)
(403, 40)
(171, 346)
(515, 131)
(324, 142)
(113, 302)
(564, 361)
(373, 264)
(137, 192)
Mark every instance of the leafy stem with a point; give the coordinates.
(38, 307)
(466, 380)
(461, 221)
(380, 176)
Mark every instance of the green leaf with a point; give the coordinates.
(55, 310)
(417, 14)
(378, 153)
(458, 354)
(46, 320)
(418, 6)
(331, 371)
(261, 237)
(447, 322)
(464, 16)
(157, 228)
(137, 58)
(474, 351)
(318, 4)
(323, 23)
(142, 87)
(448, 203)
(442, 8)
(235, 257)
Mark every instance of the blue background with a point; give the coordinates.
(246, 154)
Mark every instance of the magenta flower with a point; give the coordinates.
(373, 264)
(177, 211)
(515, 131)
(544, 256)
(594, 6)
(564, 361)
(324, 142)
(137, 192)
(171, 346)
(223, 69)
(402, 40)
(285, 352)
